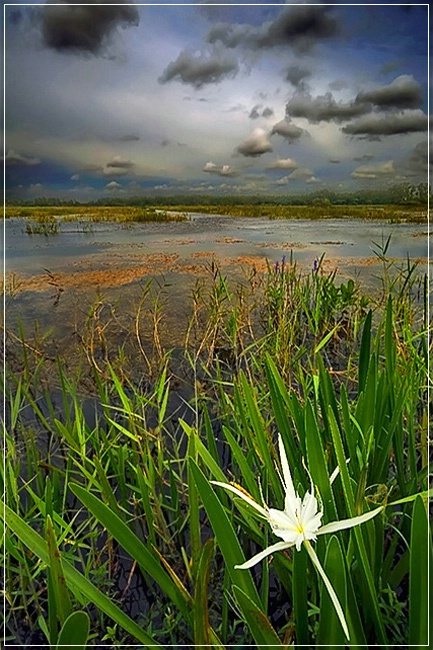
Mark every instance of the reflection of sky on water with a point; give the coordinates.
(348, 245)
(224, 237)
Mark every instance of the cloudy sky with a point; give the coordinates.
(127, 99)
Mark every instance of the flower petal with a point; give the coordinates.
(286, 527)
(279, 546)
(288, 483)
(348, 523)
(336, 472)
(309, 508)
(333, 596)
(239, 493)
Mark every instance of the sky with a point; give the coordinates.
(122, 99)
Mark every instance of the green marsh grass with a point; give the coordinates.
(43, 219)
(108, 468)
(320, 210)
(123, 213)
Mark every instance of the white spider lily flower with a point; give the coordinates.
(299, 523)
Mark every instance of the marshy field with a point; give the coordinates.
(187, 387)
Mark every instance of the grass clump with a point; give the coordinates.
(45, 224)
(42, 216)
(112, 466)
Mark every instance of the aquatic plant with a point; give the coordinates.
(298, 524)
(178, 210)
(46, 226)
(111, 453)
(43, 219)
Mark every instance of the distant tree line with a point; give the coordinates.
(401, 194)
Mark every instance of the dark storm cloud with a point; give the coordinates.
(84, 28)
(296, 75)
(417, 163)
(324, 108)
(392, 124)
(118, 166)
(403, 92)
(119, 163)
(419, 157)
(287, 129)
(89, 168)
(365, 156)
(13, 158)
(267, 112)
(172, 143)
(299, 26)
(199, 70)
(256, 112)
(129, 138)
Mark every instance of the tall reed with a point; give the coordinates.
(108, 470)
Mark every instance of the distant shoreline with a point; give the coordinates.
(133, 213)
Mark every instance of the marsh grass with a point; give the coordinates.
(127, 214)
(41, 219)
(110, 461)
(320, 210)
(45, 226)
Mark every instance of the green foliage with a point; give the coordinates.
(401, 193)
(341, 375)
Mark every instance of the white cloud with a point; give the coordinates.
(113, 186)
(374, 171)
(255, 144)
(283, 163)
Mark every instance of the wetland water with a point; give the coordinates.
(57, 279)
(68, 269)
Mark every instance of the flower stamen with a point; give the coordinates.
(299, 522)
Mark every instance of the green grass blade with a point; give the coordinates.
(362, 554)
(74, 632)
(260, 627)
(134, 546)
(317, 463)
(325, 339)
(246, 472)
(327, 395)
(193, 502)
(299, 594)
(259, 428)
(74, 579)
(225, 535)
(356, 627)
(62, 601)
(351, 430)
(364, 353)
(210, 435)
(330, 632)
(105, 487)
(202, 635)
(420, 554)
(282, 403)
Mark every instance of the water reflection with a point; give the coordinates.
(56, 279)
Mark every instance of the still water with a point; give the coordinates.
(54, 279)
(92, 245)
